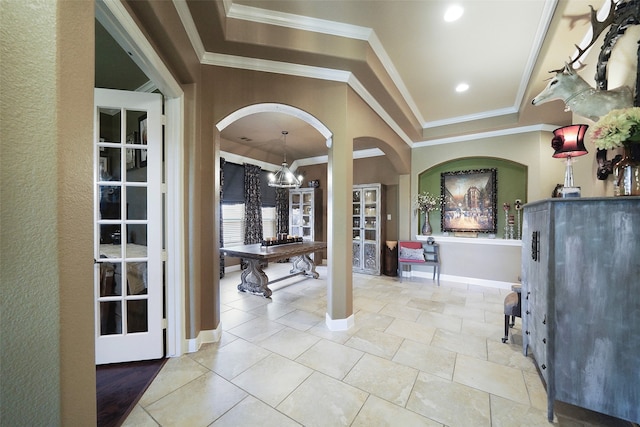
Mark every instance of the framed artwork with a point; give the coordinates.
(142, 129)
(142, 153)
(469, 200)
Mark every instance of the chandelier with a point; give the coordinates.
(283, 177)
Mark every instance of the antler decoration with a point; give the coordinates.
(627, 13)
(597, 28)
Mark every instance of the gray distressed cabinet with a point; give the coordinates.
(581, 301)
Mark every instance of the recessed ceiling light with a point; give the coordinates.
(453, 13)
(462, 87)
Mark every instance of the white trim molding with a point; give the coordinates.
(204, 337)
(340, 324)
(490, 134)
(460, 279)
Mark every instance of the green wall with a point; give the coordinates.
(511, 184)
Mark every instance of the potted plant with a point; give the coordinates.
(621, 128)
(426, 203)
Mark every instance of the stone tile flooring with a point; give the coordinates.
(418, 355)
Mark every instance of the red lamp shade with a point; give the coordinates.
(568, 141)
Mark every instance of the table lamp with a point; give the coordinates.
(568, 142)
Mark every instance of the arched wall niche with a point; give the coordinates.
(511, 183)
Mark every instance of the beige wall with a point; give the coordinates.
(46, 249)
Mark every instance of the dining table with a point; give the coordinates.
(255, 281)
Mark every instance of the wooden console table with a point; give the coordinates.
(255, 281)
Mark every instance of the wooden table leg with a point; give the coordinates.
(254, 280)
(305, 265)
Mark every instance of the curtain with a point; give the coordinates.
(282, 214)
(282, 210)
(222, 162)
(252, 205)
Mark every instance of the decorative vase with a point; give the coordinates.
(426, 226)
(626, 175)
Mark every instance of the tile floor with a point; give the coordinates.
(418, 355)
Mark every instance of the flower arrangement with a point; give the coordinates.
(617, 128)
(426, 202)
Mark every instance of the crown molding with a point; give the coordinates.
(299, 22)
(268, 66)
(470, 117)
(309, 161)
(190, 27)
(489, 134)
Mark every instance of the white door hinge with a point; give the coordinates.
(163, 187)
(163, 120)
(163, 255)
(164, 324)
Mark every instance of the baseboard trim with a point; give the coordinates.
(461, 279)
(339, 324)
(204, 337)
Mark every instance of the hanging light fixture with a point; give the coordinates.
(283, 177)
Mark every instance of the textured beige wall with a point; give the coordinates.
(74, 108)
(47, 364)
(30, 285)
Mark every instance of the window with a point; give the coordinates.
(268, 221)
(233, 223)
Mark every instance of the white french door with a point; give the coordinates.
(128, 231)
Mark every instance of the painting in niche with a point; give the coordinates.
(469, 201)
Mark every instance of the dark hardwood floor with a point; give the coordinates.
(120, 386)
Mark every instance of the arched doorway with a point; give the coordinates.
(255, 109)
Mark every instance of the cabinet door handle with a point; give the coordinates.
(535, 246)
(544, 340)
(544, 321)
(543, 366)
(528, 333)
(528, 312)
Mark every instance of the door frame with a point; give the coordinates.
(116, 20)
